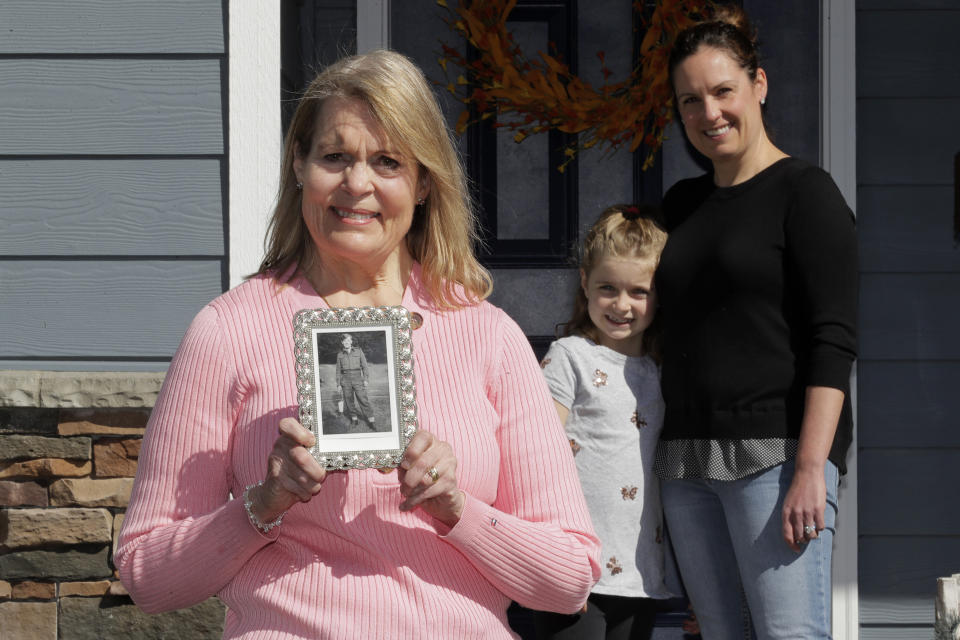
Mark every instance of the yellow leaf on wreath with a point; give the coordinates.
(493, 45)
(510, 77)
(462, 121)
(553, 64)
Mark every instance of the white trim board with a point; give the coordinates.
(255, 138)
(255, 135)
(839, 157)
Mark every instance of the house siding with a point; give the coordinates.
(112, 165)
(908, 94)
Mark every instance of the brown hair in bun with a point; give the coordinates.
(728, 29)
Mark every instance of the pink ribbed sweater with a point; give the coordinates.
(350, 564)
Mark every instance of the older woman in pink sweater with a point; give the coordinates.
(485, 507)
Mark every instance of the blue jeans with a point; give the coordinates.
(741, 577)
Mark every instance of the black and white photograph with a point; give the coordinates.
(355, 384)
(355, 397)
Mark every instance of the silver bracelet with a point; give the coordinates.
(257, 522)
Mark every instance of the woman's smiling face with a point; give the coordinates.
(720, 105)
(359, 190)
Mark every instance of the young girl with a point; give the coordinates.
(604, 379)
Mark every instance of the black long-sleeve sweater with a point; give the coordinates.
(758, 298)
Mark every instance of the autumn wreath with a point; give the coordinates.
(531, 95)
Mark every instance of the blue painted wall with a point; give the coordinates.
(112, 189)
(908, 97)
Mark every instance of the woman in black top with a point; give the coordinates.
(757, 286)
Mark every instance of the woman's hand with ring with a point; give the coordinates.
(803, 507)
(428, 478)
(293, 474)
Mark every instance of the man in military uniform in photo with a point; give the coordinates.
(352, 375)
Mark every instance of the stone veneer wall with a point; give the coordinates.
(69, 444)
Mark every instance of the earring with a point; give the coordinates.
(299, 185)
(763, 100)
(421, 202)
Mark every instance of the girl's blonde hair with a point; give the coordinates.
(443, 233)
(621, 231)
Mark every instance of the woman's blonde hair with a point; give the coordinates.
(443, 233)
(621, 231)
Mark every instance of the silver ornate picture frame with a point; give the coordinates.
(355, 384)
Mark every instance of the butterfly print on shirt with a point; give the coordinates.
(614, 566)
(599, 378)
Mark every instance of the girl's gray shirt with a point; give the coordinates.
(616, 414)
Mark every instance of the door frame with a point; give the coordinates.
(838, 150)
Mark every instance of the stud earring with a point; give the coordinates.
(763, 100)
(299, 185)
(421, 202)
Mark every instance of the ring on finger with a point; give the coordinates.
(809, 529)
(433, 473)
